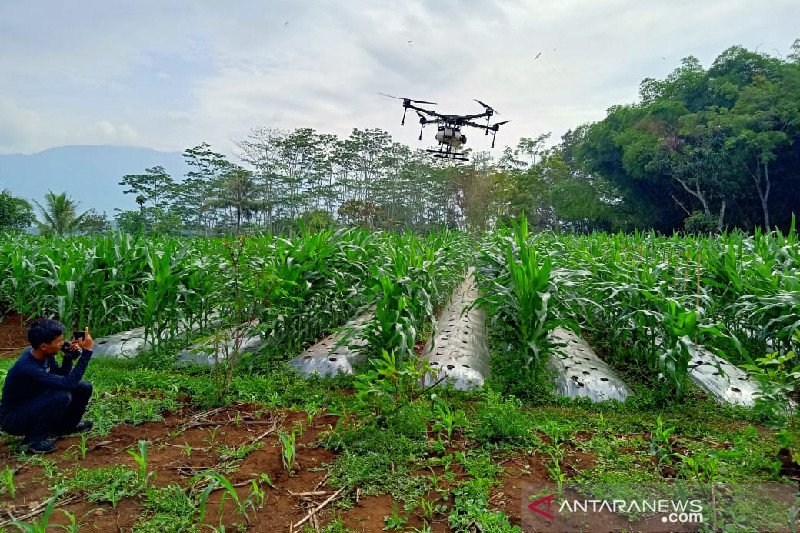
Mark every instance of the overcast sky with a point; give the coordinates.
(171, 74)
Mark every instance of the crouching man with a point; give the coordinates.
(41, 399)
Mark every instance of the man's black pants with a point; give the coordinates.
(51, 414)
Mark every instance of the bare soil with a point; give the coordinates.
(13, 335)
(179, 447)
(189, 441)
(525, 473)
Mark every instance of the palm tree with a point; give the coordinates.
(60, 216)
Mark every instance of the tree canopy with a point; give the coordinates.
(16, 214)
(722, 144)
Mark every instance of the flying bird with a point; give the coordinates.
(537, 55)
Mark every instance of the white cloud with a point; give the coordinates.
(19, 127)
(172, 74)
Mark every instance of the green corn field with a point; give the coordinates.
(645, 302)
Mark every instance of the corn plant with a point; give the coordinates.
(141, 461)
(288, 450)
(681, 330)
(83, 445)
(516, 280)
(395, 521)
(72, 526)
(447, 420)
(661, 445)
(778, 378)
(404, 291)
(8, 481)
(255, 500)
(39, 526)
(215, 480)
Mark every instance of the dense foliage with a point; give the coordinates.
(704, 148)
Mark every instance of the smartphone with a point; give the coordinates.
(78, 334)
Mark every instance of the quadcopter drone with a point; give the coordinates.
(448, 132)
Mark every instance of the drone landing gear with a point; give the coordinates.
(458, 156)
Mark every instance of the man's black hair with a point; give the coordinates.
(43, 331)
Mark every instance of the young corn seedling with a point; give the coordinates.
(82, 445)
(41, 525)
(426, 508)
(288, 450)
(218, 480)
(660, 445)
(73, 526)
(556, 452)
(447, 420)
(255, 500)
(8, 482)
(395, 521)
(141, 460)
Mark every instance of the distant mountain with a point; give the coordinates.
(88, 174)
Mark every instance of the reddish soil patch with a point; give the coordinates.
(528, 473)
(186, 443)
(13, 336)
(367, 516)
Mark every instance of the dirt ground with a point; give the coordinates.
(189, 441)
(13, 336)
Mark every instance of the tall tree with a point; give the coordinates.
(59, 215)
(236, 192)
(155, 192)
(15, 213)
(194, 200)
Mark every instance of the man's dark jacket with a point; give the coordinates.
(29, 378)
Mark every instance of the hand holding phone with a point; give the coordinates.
(84, 339)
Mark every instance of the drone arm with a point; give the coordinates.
(478, 115)
(475, 125)
(433, 114)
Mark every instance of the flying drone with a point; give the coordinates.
(448, 132)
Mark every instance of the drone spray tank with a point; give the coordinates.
(451, 136)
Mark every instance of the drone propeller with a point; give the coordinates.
(488, 108)
(408, 99)
(406, 104)
(495, 127)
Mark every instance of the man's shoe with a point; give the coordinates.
(41, 446)
(83, 425)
